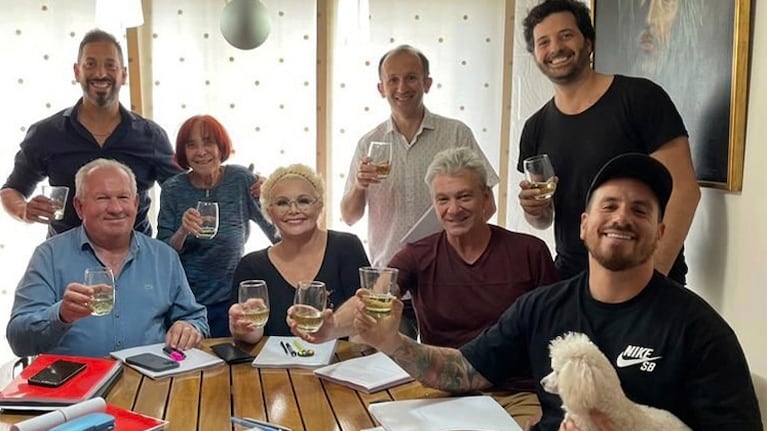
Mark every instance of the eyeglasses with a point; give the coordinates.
(303, 204)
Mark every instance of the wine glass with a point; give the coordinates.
(209, 215)
(540, 174)
(309, 302)
(253, 297)
(102, 281)
(380, 157)
(381, 286)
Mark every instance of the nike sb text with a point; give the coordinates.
(634, 355)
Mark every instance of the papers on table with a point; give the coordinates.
(273, 355)
(477, 413)
(195, 359)
(125, 420)
(367, 374)
(426, 225)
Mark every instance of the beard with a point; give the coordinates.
(582, 61)
(100, 98)
(620, 260)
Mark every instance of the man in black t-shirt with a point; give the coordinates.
(671, 350)
(592, 118)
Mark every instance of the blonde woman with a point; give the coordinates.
(292, 198)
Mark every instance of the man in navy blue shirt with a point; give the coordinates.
(97, 126)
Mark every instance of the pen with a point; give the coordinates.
(284, 348)
(268, 424)
(260, 426)
(290, 349)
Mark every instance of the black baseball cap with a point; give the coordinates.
(639, 167)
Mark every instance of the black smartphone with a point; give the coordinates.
(152, 362)
(231, 353)
(57, 373)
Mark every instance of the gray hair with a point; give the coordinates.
(98, 164)
(453, 160)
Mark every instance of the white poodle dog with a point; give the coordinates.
(585, 380)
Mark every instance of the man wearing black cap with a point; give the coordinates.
(671, 350)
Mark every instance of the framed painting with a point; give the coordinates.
(697, 50)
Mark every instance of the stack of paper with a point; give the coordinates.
(95, 380)
(196, 359)
(477, 413)
(125, 420)
(367, 374)
(274, 355)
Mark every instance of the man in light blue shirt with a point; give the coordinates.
(153, 302)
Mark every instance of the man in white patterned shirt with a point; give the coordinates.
(417, 135)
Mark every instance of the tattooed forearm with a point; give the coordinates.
(438, 367)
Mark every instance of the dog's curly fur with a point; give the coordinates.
(585, 380)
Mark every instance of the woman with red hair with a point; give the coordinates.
(202, 145)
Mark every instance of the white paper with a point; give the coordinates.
(367, 373)
(272, 355)
(426, 225)
(195, 359)
(476, 413)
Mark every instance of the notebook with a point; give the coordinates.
(97, 377)
(273, 355)
(195, 360)
(475, 413)
(125, 420)
(367, 374)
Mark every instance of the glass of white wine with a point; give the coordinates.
(381, 285)
(253, 297)
(209, 215)
(380, 157)
(309, 302)
(102, 281)
(540, 174)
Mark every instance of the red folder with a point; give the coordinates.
(126, 420)
(98, 375)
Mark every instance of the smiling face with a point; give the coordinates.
(107, 204)
(202, 151)
(403, 83)
(621, 226)
(561, 52)
(295, 206)
(100, 73)
(459, 200)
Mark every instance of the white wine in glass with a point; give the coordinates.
(102, 281)
(253, 297)
(540, 174)
(309, 302)
(380, 157)
(380, 285)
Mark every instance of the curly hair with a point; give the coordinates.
(537, 14)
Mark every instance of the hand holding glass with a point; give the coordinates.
(253, 297)
(381, 283)
(540, 174)
(209, 215)
(380, 157)
(102, 281)
(309, 302)
(58, 196)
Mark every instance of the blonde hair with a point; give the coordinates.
(296, 170)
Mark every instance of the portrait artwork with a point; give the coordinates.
(697, 51)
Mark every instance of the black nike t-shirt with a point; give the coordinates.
(670, 348)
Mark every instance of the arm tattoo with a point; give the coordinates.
(439, 367)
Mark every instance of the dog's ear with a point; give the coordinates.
(578, 386)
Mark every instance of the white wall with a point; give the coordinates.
(726, 249)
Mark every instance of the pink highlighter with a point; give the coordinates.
(175, 354)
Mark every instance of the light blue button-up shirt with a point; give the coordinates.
(151, 293)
